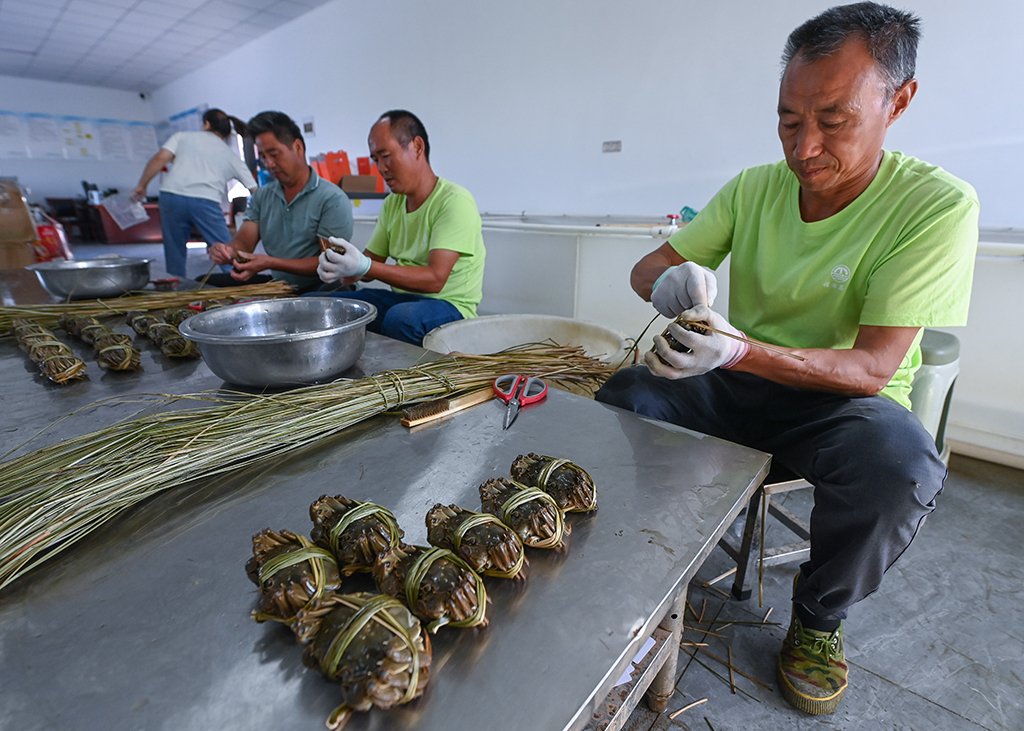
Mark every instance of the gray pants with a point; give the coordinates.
(875, 470)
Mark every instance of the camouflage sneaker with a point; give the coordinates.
(812, 668)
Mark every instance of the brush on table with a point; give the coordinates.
(431, 410)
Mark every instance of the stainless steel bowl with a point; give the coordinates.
(281, 342)
(92, 278)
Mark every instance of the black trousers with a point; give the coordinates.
(874, 468)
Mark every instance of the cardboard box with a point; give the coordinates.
(359, 183)
(15, 219)
(16, 254)
(17, 231)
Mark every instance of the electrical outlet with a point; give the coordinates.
(611, 146)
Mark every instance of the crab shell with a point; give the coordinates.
(448, 593)
(359, 544)
(290, 589)
(377, 666)
(140, 322)
(539, 523)
(491, 548)
(569, 484)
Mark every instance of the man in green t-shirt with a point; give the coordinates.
(840, 255)
(429, 226)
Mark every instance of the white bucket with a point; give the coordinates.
(490, 334)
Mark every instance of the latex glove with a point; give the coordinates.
(709, 350)
(682, 287)
(334, 266)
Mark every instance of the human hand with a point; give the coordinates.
(708, 350)
(682, 287)
(245, 265)
(335, 265)
(220, 253)
(139, 193)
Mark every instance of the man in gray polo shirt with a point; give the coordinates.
(287, 214)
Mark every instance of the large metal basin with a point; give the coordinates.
(92, 278)
(281, 342)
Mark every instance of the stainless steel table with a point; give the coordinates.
(144, 625)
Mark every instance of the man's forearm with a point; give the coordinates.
(429, 279)
(863, 370)
(305, 266)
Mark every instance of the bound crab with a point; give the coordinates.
(529, 511)
(369, 643)
(435, 584)
(356, 533)
(568, 483)
(290, 572)
(489, 546)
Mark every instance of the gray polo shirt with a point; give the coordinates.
(290, 230)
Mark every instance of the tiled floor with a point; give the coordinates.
(940, 647)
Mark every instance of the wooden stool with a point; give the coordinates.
(930, 396)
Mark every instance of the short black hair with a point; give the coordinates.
(891, 37)
(405, 127)
(279, 123)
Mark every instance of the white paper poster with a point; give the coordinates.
(143, 141)
(114, 139)
(13, 135)
(81, 141)
(44, 139)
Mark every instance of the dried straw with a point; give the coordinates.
(144, 302)
(54, 496)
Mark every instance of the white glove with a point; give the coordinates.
(682, 287)
(334, 266)
(709, 350)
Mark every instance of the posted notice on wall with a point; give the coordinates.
(49, 136)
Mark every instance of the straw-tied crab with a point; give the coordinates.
(435, 584)
(290, 572)
(356, 533)
(529, 511)
(489, 546)
(369, 643)
(568, 483)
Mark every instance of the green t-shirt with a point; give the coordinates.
(290, 230)
(448, 219)
(900, 255)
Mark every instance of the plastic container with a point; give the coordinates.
(493, 333)
(125, 211)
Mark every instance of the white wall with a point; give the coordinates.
(63, 178)
(518, 97)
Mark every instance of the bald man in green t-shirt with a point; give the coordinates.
(841, 254)
(431, 229)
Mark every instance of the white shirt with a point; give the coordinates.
(203, 164)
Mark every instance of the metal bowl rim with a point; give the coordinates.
(206, 339)
(73, 264)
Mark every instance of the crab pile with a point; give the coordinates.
(376, 645)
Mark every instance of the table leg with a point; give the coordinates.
(664, 683)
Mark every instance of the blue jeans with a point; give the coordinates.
(402, 316)
(178, 214)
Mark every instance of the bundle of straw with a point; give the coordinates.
(54, 496)
(142, 301)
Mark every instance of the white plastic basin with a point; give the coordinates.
(493, 333)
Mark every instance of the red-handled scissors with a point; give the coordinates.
(518, 391)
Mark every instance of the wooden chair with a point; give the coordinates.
(930, 397)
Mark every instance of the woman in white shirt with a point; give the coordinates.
(191, 192)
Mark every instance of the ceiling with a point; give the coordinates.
(137, 45)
